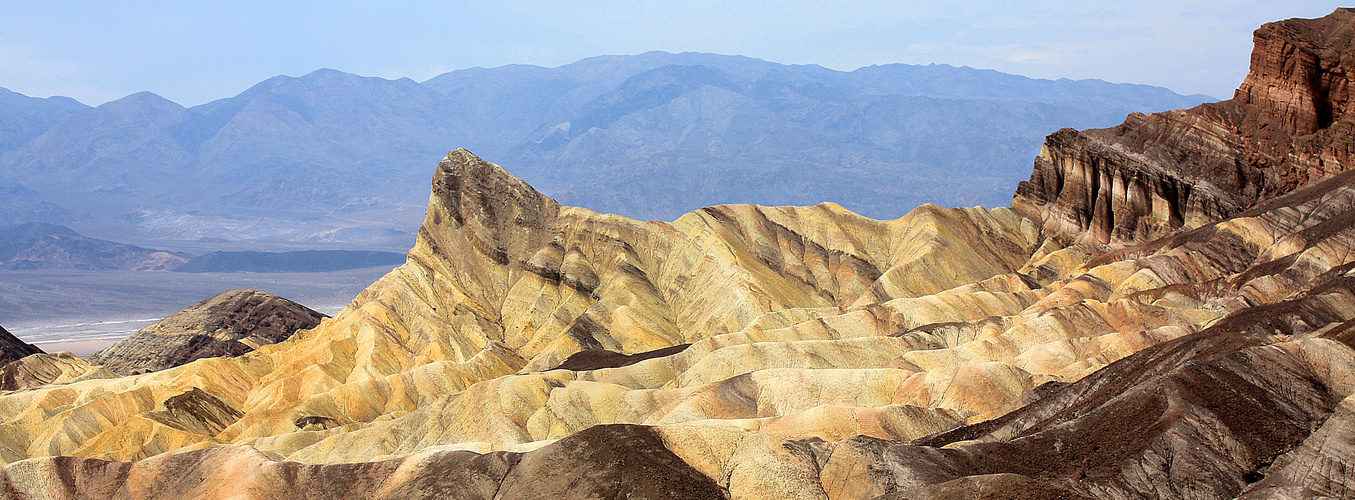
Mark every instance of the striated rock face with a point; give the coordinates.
(41, 369)
(528, 348)
(11, 348)
(229, 324)
(1286, 126)
(1300, 80)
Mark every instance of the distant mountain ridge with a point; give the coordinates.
(24, 118)
(650, 136)
(36, 245)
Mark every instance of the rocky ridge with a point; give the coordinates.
(950, 352)
(11, 348)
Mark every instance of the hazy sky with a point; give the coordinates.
(193, 52)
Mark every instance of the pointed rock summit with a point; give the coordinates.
(504, 216)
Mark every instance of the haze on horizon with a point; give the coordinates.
(195, 52)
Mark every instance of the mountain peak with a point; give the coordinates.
(334, 75)
(320, 76)
(328, 72)
(141, 100)
(56, 100)
(11, 348)
(472, 190)
(502, 215)
(34, 230)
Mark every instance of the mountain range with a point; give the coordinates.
(335, 157)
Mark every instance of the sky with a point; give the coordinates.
(195, 52)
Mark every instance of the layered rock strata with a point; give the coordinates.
(804, 324)
(36, 370)
(1285, 127)
(229, 324)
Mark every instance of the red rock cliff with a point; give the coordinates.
(1286, 125)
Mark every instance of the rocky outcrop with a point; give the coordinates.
(196, 411)
(1286, 126)
(11, 348)
(229, 324)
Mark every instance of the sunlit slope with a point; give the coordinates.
(504, 281)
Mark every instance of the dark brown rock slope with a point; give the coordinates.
(11, 348)
(596, 359)
(1287, 125)
(229, 324)
(1204, 416)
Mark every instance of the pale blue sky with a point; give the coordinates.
(193, 52)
